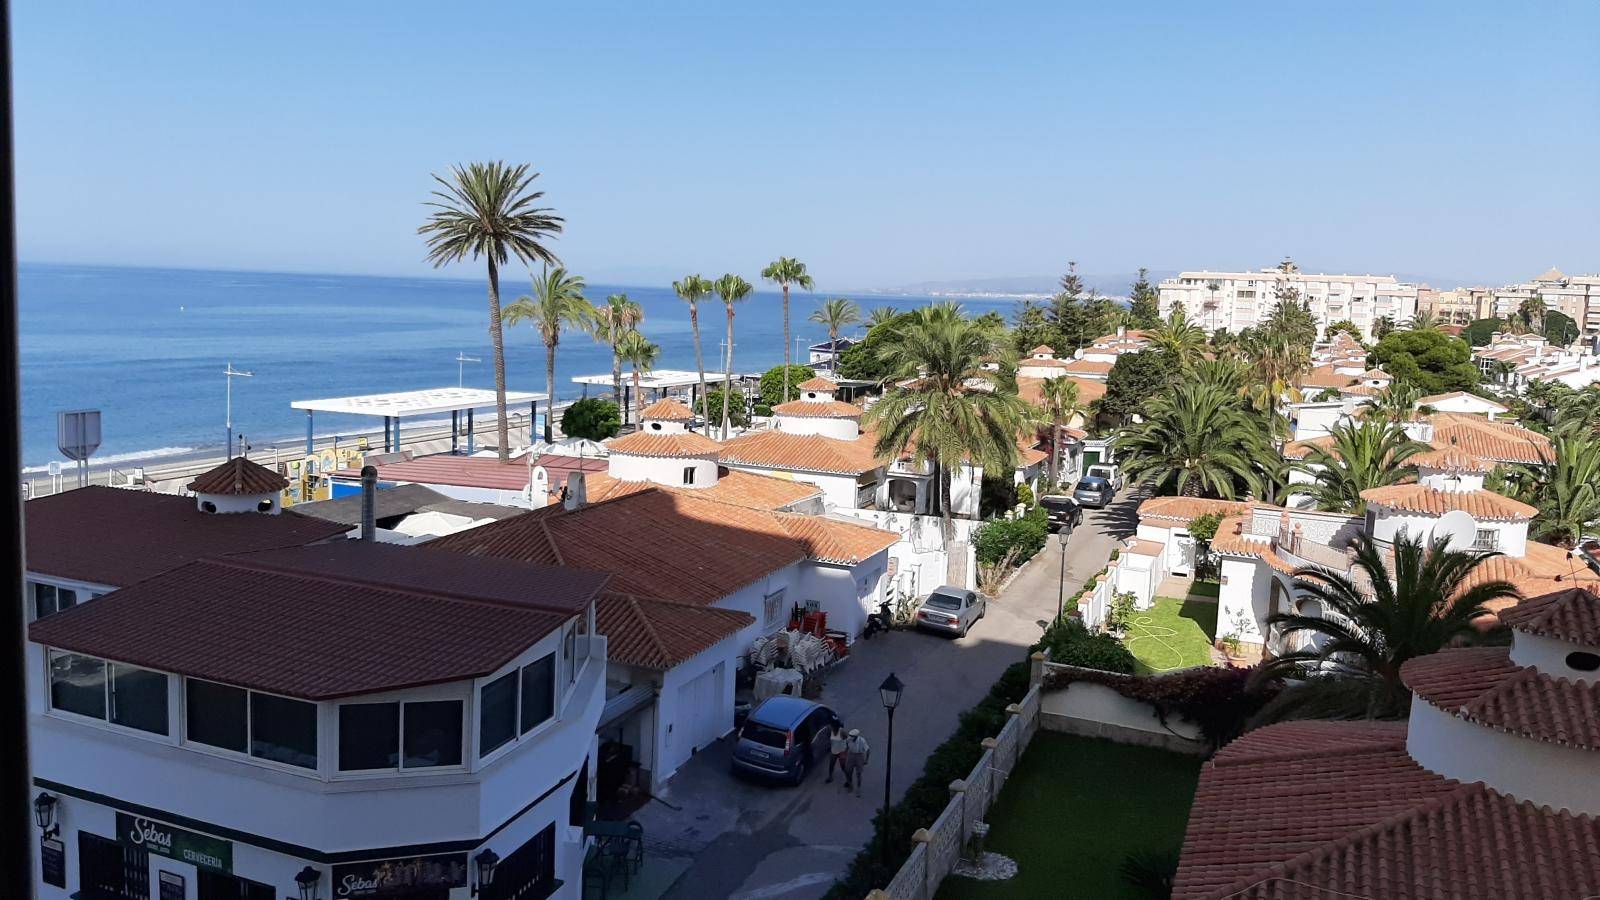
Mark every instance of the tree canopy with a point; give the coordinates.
(866, 360)
(591, 417)
(1134, 380)
(1481, 331)
(772, 382)
(1432, 360)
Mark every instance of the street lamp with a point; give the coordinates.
(485, 862)
(890, 692)
(306, 880)
(44, 814)
(1061, 588)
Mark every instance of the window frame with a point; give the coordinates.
(249, 732)
(400, 767)
(105, 722)
(533, 657)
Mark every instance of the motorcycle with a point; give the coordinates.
(878, 621)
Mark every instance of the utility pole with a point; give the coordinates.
(231, 373)
(461, 367)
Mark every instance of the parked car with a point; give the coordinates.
(1094, 492)
(951, 610)
(1108, 472)
(782, 737)
(1063, 511)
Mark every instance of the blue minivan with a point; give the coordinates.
(782, 738)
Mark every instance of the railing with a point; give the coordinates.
(936, 849)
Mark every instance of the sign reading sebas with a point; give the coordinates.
(392, 876)
(200, 850)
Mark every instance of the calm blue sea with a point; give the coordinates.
(148, 347)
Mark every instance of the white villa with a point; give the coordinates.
(1514, 361)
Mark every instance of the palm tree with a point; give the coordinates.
(1424, 320)
(836, 315)
(619, 316)
(783, 272)
(880, 315)
(691, 290)
(1361, 457)
(945, 409)
(732, 289)
(1058, 405)
(487, 210)
(1276, 365)
(1531, 312)
(557, 303)
(1176, 336)
(1568, 491)
(639, 353)
(1196, 441)
(1395, 403)
(1373, 620)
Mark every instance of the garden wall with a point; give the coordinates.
(1094, 710)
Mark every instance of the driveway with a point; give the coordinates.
(733, 838)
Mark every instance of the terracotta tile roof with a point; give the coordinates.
(667, 409)
(656, 634)
(1230, 540)
(1542, 569)
(1451, 459)
(1042, 348)
(116, 537)
(1144, 547)
(1030, 456)
(1432, 399)
(477, 471)
(1317, 810)
(1032, 389)
(1483, 685)
(1043, 363)
(1360, 390)
(336, 620)
(686, 445)
(1185, 509)
(239, 476)
(1499, 441)
(801, 452)
(1480, 504)
(733, 486)
(1569, 615)
(1325, 377)
(818, 409)
(1089, 367)
(1302, 449)
(818, 384)
(1375, 375)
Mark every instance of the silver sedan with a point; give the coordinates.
(951, 610)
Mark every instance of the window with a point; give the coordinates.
(217, 715)
(369, 736)
(49, 599)
(78, 684)
(688, 474)
(432, 733)
(569, 653)
(139, 698)
(1487, 539)
(772, 608)
(497, 713)
(538, 692)
(107, 868)
(283, 730)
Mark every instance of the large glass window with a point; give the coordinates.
(538, 692)
(78, 684)
(369, 736)
(139, 698)
(49, 599)
(372, 735)
(497, 713)
(283, 730)
(217, 715)
(433, 733)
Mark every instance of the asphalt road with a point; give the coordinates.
(756, 841)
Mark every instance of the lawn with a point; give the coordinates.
(1173, 634)
(1074, 809)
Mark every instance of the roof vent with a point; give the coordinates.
(577, 495)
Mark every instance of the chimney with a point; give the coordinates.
(577, 496)
(369, 490)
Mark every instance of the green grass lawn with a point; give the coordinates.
(1074, 809)
(1206, 589)
(1173, 634)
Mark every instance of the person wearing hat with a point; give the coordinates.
(855, 760)
(836, 742)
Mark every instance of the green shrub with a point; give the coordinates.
(995, 539)
(591, 418)
(738, 412)
(1204, 528)
(1071, 643)
(1025, 495)
(772, 385)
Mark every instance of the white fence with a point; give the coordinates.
(937, 848)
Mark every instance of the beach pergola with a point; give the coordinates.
(431, 402)
(655, 384)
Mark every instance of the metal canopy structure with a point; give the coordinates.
(657, 383)
(430, 402)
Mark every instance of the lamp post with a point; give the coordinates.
(306, 880)
(230, 373)
(485, 863)
(890, 692)
(1061, 588)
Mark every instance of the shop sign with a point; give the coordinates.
(53, 861)
(159, 838)
(172, 886)
(397, 876)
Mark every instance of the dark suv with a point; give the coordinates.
(1064, 512)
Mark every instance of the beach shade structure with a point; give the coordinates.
(457, 401)
(659, 383)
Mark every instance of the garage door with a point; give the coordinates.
(700, 713)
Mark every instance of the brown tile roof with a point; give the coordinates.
(1479, 504)
(1360, 390)
(1042, 348)
(818, 384)
(116, 537)
(477, 471)
(1032, 389)
(1185, 509)
(1089, 367)
(667, 409)
(733, 486)
(1144, 547)
(1569, 615)
(336, 620)
(656, 634)
(1375, 375)
(684, 445)
(1483, 685)
(818, 409)
(1542, 569)
(1316, 810)
(801, 452)
(1498, 441)
(671, 544)
(1230, 540)
(239, 476)
(1302, 449)
(1325, 377)
(1451, 459)
(1431, 399)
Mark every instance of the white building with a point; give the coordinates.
(1234, 301)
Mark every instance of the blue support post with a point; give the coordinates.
(396, 434)
(455, 430)
(310, 439)
(472, 434)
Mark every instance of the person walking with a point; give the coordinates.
(855, 760)
(836, 741)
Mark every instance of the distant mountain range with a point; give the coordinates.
(1115, 285)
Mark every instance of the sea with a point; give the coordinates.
(148, 348)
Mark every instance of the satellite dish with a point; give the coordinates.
(1459, 527)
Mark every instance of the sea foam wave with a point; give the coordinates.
(136, 456)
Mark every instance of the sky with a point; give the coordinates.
(884, 144)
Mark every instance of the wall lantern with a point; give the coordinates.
(485, 863)
(306, 880)
(44, 814)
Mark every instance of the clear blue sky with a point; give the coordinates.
(882, 143)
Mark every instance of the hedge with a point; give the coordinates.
(1028, 535)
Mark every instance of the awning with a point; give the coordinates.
(625, 704)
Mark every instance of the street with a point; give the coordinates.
(727, 837)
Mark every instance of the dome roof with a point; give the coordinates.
(239, 477)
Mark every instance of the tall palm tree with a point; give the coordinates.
(1568, 490)
(1369, 625)
(619, 316)
(1058, 405)
(880, 315)
(1395, 403)
(944, 407)
(488, 210)
(785, 271)
(1361, 456)
(1276, 365)
(1196, 441)
(1424, 320)
(732, 289)
(640, 354)
(1175, 335)
(691, 290)
(557, 303)
(836, 315)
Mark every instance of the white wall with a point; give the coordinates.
(837, 490)
(1099, 703)
(661, 469)
(1243, 603)
(234, 504)
(671, 748)
(1549, 655)
(1549, 774)
(841, 428)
